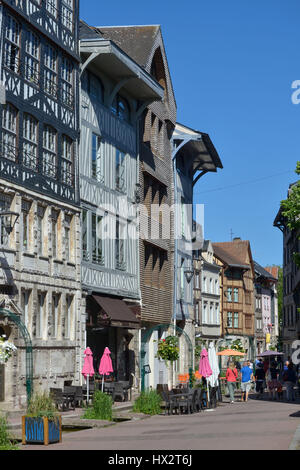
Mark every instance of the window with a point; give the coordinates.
(50, 72)
(54, 219)
(236, 294)
(235, 320)
(85, 253)
(25, 298)
(12, 44)
(97, 158)
(25, 225)
(49, 151)
(229, 319)
(204, 284)
(204, 313)
(40, 315)
(120, 245)
(95, 88)
(211, 314)
(248, 321)
(69, 317)
(120, 108)
(120, 170)
(55, 315)
(30, 142)
(40, 229)
(68, 220)
(229, 294)
(51, 6)
(211, 286)
(67, 176)
(67, 82)
(216, 286)
(32, 46)
(9, 133)
(97, 254)
(67, 14)
(217, 310)
(5, 203)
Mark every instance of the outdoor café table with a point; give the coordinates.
(109, 387)
(184, 397)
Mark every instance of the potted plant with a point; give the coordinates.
(168, 349)
(42, 422)
(6, 349)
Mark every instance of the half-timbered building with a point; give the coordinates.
(237, 293)
(156, 250)
(40, 253)
(115, 90)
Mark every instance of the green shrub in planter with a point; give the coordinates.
(6, 440)
(149, 402)
(101, 407)
(42, 422)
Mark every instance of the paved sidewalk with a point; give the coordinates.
(255, 425)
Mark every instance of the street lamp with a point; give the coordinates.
(8, 219)
(189, 273)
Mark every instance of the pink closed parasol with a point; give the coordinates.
(204, 367)
(88, 368)
(105, 367)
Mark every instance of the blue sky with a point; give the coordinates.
(232, 66)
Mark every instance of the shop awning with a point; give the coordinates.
(118, 312)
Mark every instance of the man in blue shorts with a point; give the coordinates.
(246, 377)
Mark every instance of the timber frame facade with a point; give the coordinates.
(156, 248)
(39, 130)
(114, 92)
(237, 292)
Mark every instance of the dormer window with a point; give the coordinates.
(120, 108)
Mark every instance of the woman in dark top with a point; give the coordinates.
(259, 379)
(290, 381)
(272, 378)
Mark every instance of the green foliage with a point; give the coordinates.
(6, 440)
(291, 206)
(237, 346)
(149, 402)
(168, 348)
(101, 407)
(41, 405)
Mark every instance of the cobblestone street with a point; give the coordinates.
(256, 425)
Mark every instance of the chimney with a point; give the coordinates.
(237, 239)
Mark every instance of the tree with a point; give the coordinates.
(290, 209)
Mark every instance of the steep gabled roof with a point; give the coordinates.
(88, 32)
(234, 254)
(136, 41)
(273, 270)
(141, 43)
(262, 271)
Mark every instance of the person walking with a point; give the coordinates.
(231, 377)
(272, 380)
(259, 380)
(290, 379)
(246, 377)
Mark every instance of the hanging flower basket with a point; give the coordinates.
(168, 349)
(6, 349)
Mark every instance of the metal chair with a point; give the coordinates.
(118, 391)
(57, 396)
(169, 402)
(69, 393)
